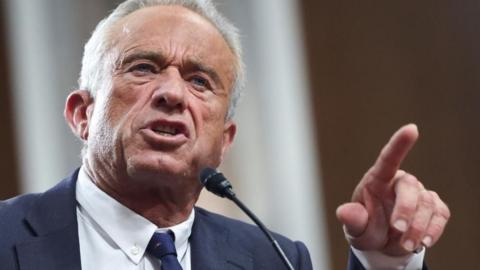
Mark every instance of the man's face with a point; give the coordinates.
(164, 115)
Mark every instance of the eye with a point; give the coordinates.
(143, 69)
(200, 82)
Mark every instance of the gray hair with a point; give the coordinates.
(99, 55)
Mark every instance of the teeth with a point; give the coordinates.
(165, 130)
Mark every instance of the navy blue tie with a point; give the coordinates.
(161, 246)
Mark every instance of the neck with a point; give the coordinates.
(164, 204)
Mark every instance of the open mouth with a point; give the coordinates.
(166, 130)
(169, 129)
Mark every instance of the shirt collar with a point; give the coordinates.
(182, 232)
(129, 230)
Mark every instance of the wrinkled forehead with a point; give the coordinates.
(165, 17)
(173, 24)
(175, 30)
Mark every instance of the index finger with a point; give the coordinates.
(393, 153)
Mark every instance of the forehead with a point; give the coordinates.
(164, 19)
(174, 30)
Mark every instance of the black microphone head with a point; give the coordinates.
(215, 182)
(206, 174)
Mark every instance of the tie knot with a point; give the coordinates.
(162, 245)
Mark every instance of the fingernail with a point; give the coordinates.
(427, 241)
(408, 245)
(400, 225)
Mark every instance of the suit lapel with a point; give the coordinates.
(55, 243)
(53, 222)
(211, 250)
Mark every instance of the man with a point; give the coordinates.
(159, 83)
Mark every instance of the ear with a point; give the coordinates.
(229, 131)
(78, 111)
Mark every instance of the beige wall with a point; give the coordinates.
(375, 65)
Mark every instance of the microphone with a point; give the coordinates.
(218, 184)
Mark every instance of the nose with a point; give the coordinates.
(171, 90)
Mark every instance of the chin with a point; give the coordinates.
(159, 166)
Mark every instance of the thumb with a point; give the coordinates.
(354, 217)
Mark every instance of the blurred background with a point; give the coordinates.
(328, 82)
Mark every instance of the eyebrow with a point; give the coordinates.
(196, 65)
(148, 55)
(159, 58)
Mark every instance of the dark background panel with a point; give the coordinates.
(376, 65)
(8, 167)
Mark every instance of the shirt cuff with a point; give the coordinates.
(379, 261)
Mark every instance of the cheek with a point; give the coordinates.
(121, 101)
(126, 104)
(102, 123)
(113, 113)
(207, 117)
(212, 123)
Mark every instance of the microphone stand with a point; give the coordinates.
(219, 185)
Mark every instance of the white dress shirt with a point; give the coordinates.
(374, 260)
(114, 237)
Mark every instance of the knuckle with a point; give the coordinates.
(369, 184)
(437, 225)
(368, 174)
(409, 179)
(435, 229)
(434, 194)
(369, 177)
(400, 173)
(413, 179)
(421, 186)
(427, 199)
(442, 208)
(445, 212)
(416, 229)
(405, 209)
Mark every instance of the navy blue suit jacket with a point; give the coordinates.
(40, 232)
